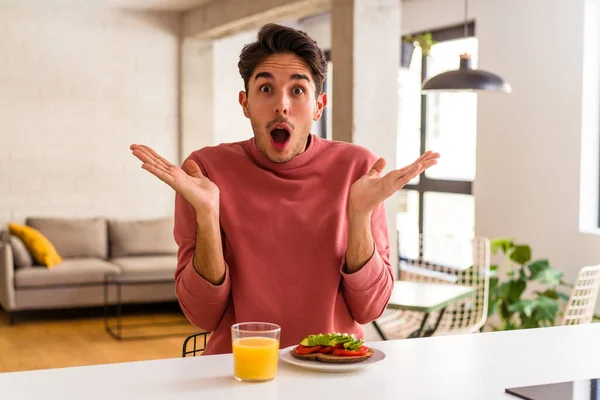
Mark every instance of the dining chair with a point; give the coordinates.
(582, 301)
(446, 260)
(193, 342)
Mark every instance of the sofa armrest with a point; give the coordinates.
(7, 273)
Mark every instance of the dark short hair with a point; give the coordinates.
(272, 39)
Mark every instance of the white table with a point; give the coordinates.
(425, 297)
(470, 366)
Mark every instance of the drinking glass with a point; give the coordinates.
(255, 351)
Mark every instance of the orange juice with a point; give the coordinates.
(255, 358)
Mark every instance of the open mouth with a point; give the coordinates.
(280, 135)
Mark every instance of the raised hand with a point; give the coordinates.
(190, 183)
(372, 189)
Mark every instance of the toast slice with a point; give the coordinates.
(329, 358)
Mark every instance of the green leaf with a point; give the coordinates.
(493, 296)
(541, 270)
(521, 254)
(551, 277)
(505, 313)
(554, 294)
(492, 308)
(524, 306)
(512, 290)
(529, 323)
(509, 326)
(537, 267)
(566, 284)
(494, 283)
(523, 274)
(516, 289)
(563, 296)
(546, 308)
(503, 244)
(550, 293)
(536, 312)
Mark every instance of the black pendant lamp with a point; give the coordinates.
(465, 78)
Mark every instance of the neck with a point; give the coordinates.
(307, 142)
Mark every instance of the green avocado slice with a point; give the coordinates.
(350, 342)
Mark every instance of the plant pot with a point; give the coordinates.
(406, 54)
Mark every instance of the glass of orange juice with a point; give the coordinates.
(255, 350)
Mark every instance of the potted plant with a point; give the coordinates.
(409, 42)
(505, 297)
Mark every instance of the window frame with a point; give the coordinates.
(426, 184)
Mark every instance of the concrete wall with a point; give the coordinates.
(78, 87)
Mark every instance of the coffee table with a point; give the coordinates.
(119, 282)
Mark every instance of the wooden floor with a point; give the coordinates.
(67, 341)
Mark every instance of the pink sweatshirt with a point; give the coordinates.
(284, 229)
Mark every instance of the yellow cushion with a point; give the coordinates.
(38, 245)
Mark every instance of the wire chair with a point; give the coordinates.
(582, 301)
(446, 260)
(193, 341)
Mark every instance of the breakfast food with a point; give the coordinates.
(338, 348)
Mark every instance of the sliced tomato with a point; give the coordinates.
(361, 351)
(326, 349)
(307, 349)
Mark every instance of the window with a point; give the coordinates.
(452, 117)
(440, 201)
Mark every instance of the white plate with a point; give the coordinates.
(286, 355)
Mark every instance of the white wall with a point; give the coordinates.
(211, 82)
(230, 123)
(197, 99)
(422, 15)
(529, 143)
(78, 87)
(318, 27)
(590, 139)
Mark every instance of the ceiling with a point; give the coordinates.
(162, 5)
(172, 5)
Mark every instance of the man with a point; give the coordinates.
(285, 227)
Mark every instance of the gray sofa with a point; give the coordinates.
(91, 248)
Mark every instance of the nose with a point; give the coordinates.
(282, 106)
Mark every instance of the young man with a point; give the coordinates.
(285, 227)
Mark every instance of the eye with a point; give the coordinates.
(298, 90)
(265, 89)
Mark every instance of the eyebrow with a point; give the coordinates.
(268, 75)
(298, 77)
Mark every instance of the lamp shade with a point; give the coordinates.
(466, 79)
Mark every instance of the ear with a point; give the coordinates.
(243, 99)
(321, 104)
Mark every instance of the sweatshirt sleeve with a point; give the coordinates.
(368, 290)
(202, 302)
